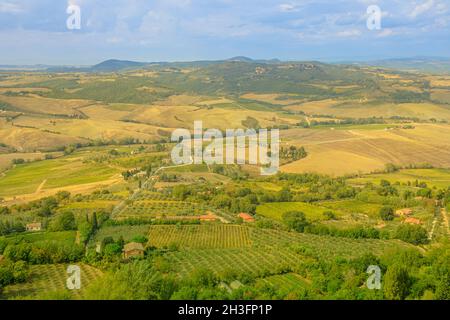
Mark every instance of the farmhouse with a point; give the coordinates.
(34, 227)
(133, 250)
(404, 212)
(246, 217)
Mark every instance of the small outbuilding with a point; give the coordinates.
(34, 227)
(246, 217)
(413, 221)
(133, 250)
(404, 212)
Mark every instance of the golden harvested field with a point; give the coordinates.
(40, 105)
(273, 98)
(356, 109)
(184, 117)
(30, 139)
(339, 152)
(315, 107)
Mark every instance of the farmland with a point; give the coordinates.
(48, 280)
(276, 210)
(86, 172)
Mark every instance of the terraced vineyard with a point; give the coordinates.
(200, 237)
(50, 278)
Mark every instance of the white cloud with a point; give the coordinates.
(287, 7)
(385, 33)
(349, 33)
(422, 8)
(7, 7)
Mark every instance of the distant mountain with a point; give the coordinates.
(241, 59)
(117, 65)
(421, 64)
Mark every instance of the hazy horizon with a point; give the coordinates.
(35, 32)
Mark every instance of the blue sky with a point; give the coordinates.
(34, 31)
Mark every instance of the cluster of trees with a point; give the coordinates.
(293, 153)
(13, 272)
(43, 252)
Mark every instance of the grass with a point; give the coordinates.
(26, 178)
(127, 232)
(353, 206)
(67, 237)
(277, 209)
(47, 279)
(439, 178)
(95, 204)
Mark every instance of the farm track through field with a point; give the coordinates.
(41, 186)
(446, 223)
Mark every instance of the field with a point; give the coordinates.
(439, 178)
(105, 138)
(48, 279)
(200, 237)
(271, 251)
(276, 210)
(66, 237)
(52, 174)
(349, 151)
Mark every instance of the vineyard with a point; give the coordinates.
(324, 246)
(254, 261)
(50, 278)
(200, 237)
(260, 252)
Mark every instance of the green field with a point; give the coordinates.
(353, 207)
(439, 178)
(48, 279)
(26, 178)
(66, 237)
(127, 232)
(274, 252)
(277, 209)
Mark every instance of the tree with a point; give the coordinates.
(4, 210)
(387, 213)
(412, 233)
(443, 288)
(64, 222)
(285, 195)
(295, 220)
(397, 283)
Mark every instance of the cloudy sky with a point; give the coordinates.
(35, 31)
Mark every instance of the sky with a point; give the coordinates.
(36, 31)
